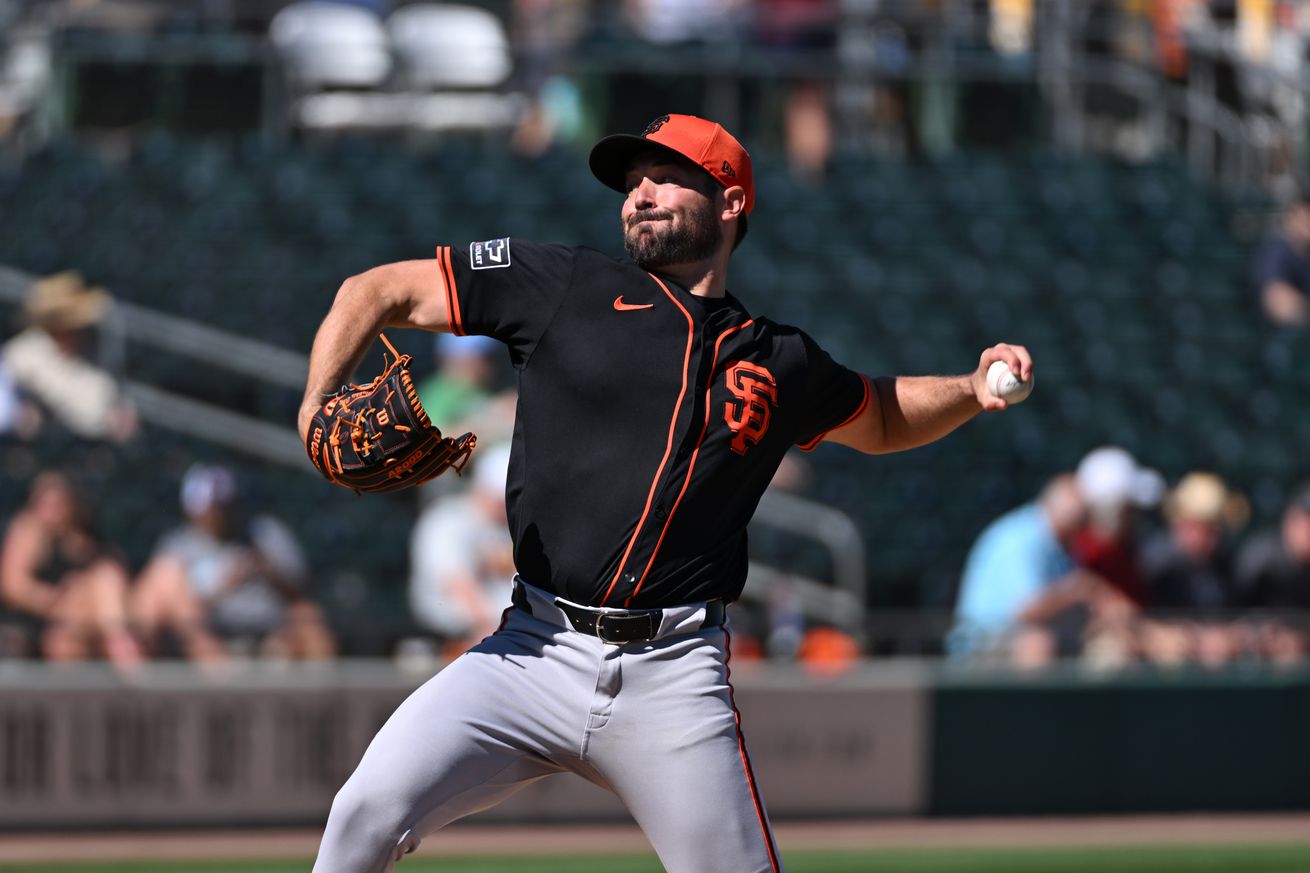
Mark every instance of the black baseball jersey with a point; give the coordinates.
(649, 420)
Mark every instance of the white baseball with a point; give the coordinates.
(1007, 386)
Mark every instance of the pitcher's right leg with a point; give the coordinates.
(482, 728)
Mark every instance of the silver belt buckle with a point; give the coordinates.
(600, 628)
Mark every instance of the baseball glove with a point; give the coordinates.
(377, 438)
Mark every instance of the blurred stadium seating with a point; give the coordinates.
(1128, 281)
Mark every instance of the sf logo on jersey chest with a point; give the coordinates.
(754, 397)
(489, 255)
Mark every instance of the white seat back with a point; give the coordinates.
(327, 45)
(446, 45)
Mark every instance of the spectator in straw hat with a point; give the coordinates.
(1189, 565)
(47, 360)
(1188, 570)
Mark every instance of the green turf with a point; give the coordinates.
(1157, 859)
(1220, 859)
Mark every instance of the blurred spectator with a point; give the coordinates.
(57, 572)
(672, 22)
(47, 361)
(544, 32)
(1016, 563)
(16, 416)
(460, 395)
(1273, 574)
(226, 577)
(1273, 567)
(800, 30)
(700, 30)
(1282, 267)
(1116, 488)
(1189, 565)
(1189, 579)
(1011, 26)
(461, 557)
(462, 381)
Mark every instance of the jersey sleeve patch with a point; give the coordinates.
(491, 254)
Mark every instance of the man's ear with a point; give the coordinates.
(734, 202)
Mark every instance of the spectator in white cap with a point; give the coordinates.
(226, 581)
(461, 557)
(1116, 489)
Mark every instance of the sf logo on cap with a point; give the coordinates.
(655, 125)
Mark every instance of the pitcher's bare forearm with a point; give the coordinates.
(911, 411)
(917, 410)
(404, 294)
(356, 318)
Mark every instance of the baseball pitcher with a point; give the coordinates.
(653, 410)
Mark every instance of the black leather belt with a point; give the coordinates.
(620, 626)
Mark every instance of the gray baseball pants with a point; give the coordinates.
(653, 722)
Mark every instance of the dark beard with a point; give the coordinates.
(698, 239)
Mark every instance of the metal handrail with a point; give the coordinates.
(128, 321)
(841, 604)
(206, 421)
(208, 344)
(219, 348)
(831, 528)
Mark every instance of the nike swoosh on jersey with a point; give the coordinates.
(628, 307)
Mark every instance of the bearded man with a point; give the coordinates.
(653, 411)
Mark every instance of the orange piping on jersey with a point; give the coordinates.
(452, 296)
(745, 756)
(691, 465)
(668, 448)
(859, 410)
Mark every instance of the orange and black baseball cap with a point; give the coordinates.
(702, 142)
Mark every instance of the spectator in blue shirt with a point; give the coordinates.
(1282, 268)
(1019, 575)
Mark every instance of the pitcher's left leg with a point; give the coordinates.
(674, 753)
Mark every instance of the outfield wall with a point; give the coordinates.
(270, 744)
(1236, 740)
